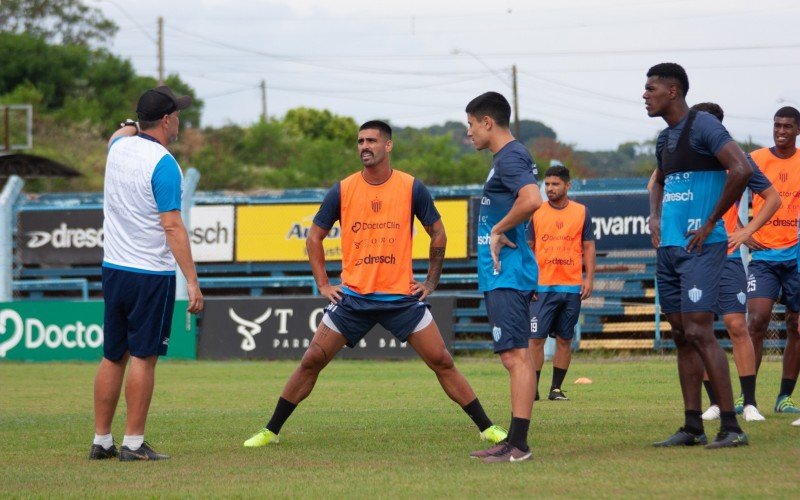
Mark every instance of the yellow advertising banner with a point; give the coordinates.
(277, 233)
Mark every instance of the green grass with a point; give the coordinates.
(383, 429)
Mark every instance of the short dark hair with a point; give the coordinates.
(672, 71)
(491, 104)
(149, 124)
(382, 127)
(559, 171)
(788, 112)
(710, 107)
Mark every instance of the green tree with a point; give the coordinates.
(320, 124)
(67, 22)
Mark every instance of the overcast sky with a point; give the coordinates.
(581, 63)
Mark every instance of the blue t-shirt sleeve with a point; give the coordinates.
(167, 184)
(708, 135)
(588, 233)
(758, 182)
(331, 209)
(517, 171)
(422, 204)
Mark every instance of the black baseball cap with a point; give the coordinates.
(160, 101)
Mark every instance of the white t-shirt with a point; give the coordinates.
(142, 180)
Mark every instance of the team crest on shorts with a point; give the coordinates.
(695, 294)
(742, 297)
(496, 333)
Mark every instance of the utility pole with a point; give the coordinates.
(264, 100)
(516, 100)
(160, 50)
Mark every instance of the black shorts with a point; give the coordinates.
(509, 317)
(355, 316)
(689, 282)
(138, 313)
(555, 313)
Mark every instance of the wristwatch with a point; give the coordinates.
(130, 123)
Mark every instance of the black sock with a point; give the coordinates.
(729, 423)
(558, 377)
(476, 413)
(693, 421)
(283, 410)
(518, 433)
(787, 386)
(710, 391)
(748, 384)
(538, 376)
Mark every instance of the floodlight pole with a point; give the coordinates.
(160, 50)
(515, 95)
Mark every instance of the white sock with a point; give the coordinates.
(132, 442)
(105, 440)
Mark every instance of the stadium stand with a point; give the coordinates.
(620, 315)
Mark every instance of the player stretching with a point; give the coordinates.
(563, 243)
(376, 207)
(690, 195)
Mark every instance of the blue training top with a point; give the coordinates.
(693, 178)
(512, 169)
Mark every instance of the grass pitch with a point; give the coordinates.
(383, 430)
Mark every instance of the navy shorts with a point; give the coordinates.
(689, 282)
(732, 286)
(138, 313)
(555, 313)
(355, 316)
(773, 280)
(509, 317)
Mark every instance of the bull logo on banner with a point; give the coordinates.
(249, 329)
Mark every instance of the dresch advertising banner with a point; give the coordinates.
(282, 328)
(73, 330)
(278, 233)
(212, 233)
(60, 237)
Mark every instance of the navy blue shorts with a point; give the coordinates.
(555, 313)
(689, 282)
(138, 313)
(509, 317)
(732, 286)
(773, 280)
(355, 316)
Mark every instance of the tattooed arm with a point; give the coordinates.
(435, 261)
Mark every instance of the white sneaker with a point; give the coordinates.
(796, 422)
(712, 413)
(751, 414)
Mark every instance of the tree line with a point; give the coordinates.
(51, 56)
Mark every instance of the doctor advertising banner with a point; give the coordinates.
(282, 328)
(277, 233)
(73, 330)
